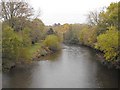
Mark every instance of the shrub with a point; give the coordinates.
(52, 42)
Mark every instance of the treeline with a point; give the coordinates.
(101, 33)
(24, 36)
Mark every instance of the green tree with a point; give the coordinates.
(108, 17)
(37, 30)
(108, 43)
(26, 38)
(88, 36)
(11, 44)
(71, 35)
(15, 46)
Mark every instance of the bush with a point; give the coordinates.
(52, 42)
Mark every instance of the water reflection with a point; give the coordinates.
(73, 67)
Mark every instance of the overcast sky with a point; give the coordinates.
(67, 11)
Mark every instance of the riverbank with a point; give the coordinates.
(36, 52)
(100, 54)
(72, 67)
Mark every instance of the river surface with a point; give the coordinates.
(72, 67)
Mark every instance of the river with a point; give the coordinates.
(72, 67)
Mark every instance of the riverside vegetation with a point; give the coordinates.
(100, 33)
(25, 37)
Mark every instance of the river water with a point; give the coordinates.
(72, 67)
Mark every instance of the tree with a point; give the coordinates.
(37, 29)
(11, 44)
(50, 31)
(71, 34)
(37, 24)
(15, 46)
(14, 11)
(108, 43)
(108, 17)
(26, 38)
(105, 18)
(93, 18)
(88, 36)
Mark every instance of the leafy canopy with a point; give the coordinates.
(108, 43)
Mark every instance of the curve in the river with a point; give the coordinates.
(73, 67)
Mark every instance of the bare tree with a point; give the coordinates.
(13, 10)
(38, 13)
(93, 18)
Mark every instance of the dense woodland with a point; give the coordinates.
(25, 38)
